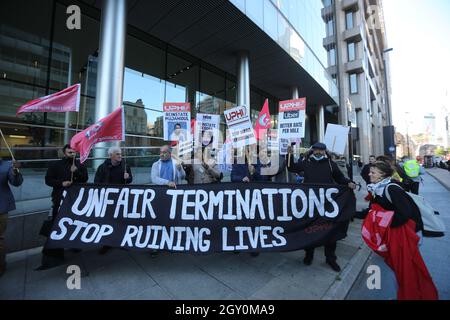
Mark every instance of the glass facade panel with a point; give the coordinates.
(270, 20)
(351, 51)
(332, 56)
(212, 94)
(330, 27)
(349, 20)
(353, 83)
(298, 27)
(255, 10)
(25, 40)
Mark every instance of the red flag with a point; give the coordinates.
(62, 101)
(109, 128)
(263, 122)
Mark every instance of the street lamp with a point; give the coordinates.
(407, 133)
(388, 109)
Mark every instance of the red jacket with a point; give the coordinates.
(399, 248)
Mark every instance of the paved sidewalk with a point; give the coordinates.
(441, 175)
(121, 274)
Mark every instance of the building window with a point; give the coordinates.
(349, 23)
(332, 57)
(353, 83)
(330, 27)
(351, 49)
(327, 3)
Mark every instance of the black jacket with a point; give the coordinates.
(403, 206)
(324, 171)
(59, 171)
(365, 173)
(109, 174)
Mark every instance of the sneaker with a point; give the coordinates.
(334, 265)
(308, 260)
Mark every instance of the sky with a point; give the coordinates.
(419, 33)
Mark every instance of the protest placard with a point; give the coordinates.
(336, 137)
(240, 127)
(209, 124)
(177, 121)
(291, 119)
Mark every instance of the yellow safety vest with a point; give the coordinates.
(412, 168)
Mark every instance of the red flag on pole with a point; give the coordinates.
(263, 122)
(109, 128)
(62, 101)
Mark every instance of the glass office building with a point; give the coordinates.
(175, 51)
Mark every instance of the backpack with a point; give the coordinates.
(432, 224)
(412, 168)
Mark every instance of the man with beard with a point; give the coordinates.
(318, 168)
(60, 175)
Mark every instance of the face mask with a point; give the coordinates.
(318, 157)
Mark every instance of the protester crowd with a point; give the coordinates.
(387, 182)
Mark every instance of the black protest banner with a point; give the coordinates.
(203, 218)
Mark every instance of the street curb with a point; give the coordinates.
(345, 280)
(442, 182)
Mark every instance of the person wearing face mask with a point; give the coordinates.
(60, 175)
(318, 168)
(390, 229)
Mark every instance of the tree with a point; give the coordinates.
(440, 151)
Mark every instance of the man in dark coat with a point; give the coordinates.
(318, 168)
(9, 175)
(366, 169)
(113, 171)
(61, 175)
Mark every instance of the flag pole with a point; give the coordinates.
(76, 131)
(7, 146)
(124, 141)
(124, 157)
(76, 128)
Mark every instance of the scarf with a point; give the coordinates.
(377, 189)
